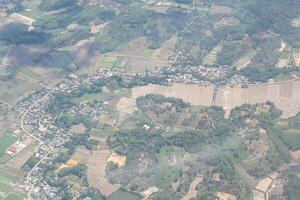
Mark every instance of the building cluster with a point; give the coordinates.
(39, 122)
(42, 125)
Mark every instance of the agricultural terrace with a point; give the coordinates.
(283, 94)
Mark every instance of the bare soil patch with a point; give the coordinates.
(264, 184)
(117, 159)
(69, 164)
(258, 195)
(296, 154)
(106, 119)
(297, 57)
(192, 193)
(149, 191)
(285, 95)
(20, 159)
(96, 170)
(282, 62)
(282, 47)
(22, 19)
(96, 161)
(98, 28)
(245, 60)
(79, 128)
(126, 105)
(82, 154)
(225, 196)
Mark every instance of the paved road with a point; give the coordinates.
(36, 138)
(26, 112)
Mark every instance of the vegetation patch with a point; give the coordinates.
(211, 57)
(5, 142)
(123, 194)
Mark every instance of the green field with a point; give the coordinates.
(122, 62)
(296, 22)
(5, 181)
(151, 66)
(102, 133)
(283, 77)
(91, 97)
(165, 176)
(5, 142)
(211, 57)
(7, 188)
(168, 152)
(292, 138)
(148, 52)
(109, 61)
(119, 194)
(14, 196)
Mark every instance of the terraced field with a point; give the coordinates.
(285, 95)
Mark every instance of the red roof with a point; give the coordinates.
(12, 149)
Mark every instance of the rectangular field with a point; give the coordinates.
(211, 57)
(124, 196)
(5, 142)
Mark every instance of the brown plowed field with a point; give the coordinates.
(285, 95)
(193, 94)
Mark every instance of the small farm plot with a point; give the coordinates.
(137, 58)
(296, 22)
(211, 57)
(6, 141)
(124, 195)
(245, 60)
(14, 196)
(157, 8)
(285, 59)
(96, 172)
(81, 155)
(95, 161)
(122, 63)
(134, 57)
(292, 138)
(21, 157)
(22, 19)
(192, 192)
(296, 57)
(7, 190)
(101, 96)
(109, 61)
(221, 9)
